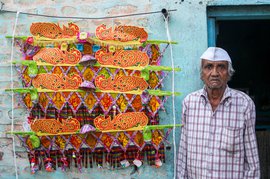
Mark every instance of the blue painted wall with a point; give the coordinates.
(187, 26)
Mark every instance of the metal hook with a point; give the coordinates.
(165, 13)
(2, 5)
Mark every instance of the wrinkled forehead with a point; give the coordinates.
(210, 62)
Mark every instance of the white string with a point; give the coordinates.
(74, 17)
(173, 97)
(12, 94)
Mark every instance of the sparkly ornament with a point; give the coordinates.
(125, 163)
(95, 48)
(48, 165)
(83, 35)
(64, 163)
(30, 40)
(64, 46)
(35, 141)
(79, 47)
(73, 155)
(112, 48)
(87, 128)
(158, 163)
(87, 85)
(33, 165)
(137, 162)
(88, 60)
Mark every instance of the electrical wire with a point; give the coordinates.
(12, 93)
(166, 17)
(74, 17)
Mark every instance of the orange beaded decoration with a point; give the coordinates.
(122, 58)
(121, 83)
(54, 126)
(121, 121)
(56, 82)
(121, 33)
(56, 56)
(54, 31)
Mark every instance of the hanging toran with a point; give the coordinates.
(70, 123)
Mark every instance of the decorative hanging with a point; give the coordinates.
(56, 56)
(121, 121)
(56, 82)
(54, 126)
(92, 99)
(53, 31)
(122, 58)
(121, 83)
(121, 33)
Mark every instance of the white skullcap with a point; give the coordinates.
(216, 54)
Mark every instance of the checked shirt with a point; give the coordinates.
(221, 143)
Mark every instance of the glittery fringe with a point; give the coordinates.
(99, 157)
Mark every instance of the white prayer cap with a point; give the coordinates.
(216, 54)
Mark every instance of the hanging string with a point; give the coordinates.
(166, 18)
(12, 93)
(74, 17)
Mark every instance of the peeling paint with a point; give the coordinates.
(68, 10)
(120, 9)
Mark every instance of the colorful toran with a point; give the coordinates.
(89, 108)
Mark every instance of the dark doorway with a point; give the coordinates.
(248, 43)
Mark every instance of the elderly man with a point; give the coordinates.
(218, 137)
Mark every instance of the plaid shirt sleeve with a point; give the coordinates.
(252, 167)
(182, 155)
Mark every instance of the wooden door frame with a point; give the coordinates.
(239, 12)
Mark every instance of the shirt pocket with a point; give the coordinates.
(231, 139)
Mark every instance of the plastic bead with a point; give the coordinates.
(95, 48)
(112, 49)
(79, 47)
(64, 46)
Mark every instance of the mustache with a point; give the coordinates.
(214, 79)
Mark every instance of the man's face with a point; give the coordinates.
(215, 74)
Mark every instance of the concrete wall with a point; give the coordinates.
(187, 26)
